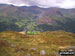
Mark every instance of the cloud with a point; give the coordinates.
(67, 4)
(42, 3)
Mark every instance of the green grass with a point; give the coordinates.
(24, 44)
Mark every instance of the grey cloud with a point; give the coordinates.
(42, 3)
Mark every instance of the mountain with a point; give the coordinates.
(16, 44)
(36, 18)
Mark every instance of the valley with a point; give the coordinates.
(34, 18)
(35, 31)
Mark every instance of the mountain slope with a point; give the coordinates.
(35, 18)
(33, 45)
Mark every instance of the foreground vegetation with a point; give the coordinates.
(43, 44)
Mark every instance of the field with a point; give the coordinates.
(42, 44)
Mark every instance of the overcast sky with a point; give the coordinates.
(42, 3)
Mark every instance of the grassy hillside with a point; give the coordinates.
(46, 43)
(35, 18)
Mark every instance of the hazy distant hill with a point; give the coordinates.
(16, 44)
(30, 18)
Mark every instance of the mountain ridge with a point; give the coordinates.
(31, 18)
